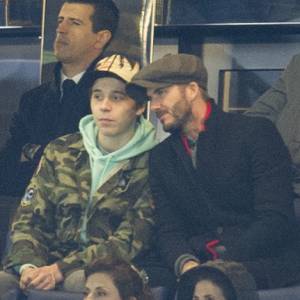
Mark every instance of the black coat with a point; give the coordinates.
(39, 120)
(239, 193)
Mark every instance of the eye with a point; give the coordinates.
(161, 92)
(97, 96)
(75, 22)
(101, 293)
(59, 21)
(118, 97)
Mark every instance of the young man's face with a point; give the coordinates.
(75, 40)
(114, 112)
(171, 106)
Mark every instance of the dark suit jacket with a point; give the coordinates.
(39, 120)
(240, 192)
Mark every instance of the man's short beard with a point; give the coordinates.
(181, 117)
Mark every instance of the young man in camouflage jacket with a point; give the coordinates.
(89, 197)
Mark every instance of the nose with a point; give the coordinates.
(105, 104)
(154, 105)
(62, 26)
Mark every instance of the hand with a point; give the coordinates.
(190, 264)
(27, 276)
(43, 278)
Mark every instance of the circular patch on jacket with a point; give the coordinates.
(27, 199)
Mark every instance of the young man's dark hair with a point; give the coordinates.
(106, 15)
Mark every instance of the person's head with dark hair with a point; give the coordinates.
(105, 16)
(114, 279)
(217, 280)
(205, 283)
(116, 115)
(84, 29)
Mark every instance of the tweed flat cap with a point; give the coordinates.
(172, 69)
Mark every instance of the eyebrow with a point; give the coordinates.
(158, 89)
(71, 19)
(101, 289)
(209, 297)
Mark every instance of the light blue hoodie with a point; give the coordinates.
(103, 165)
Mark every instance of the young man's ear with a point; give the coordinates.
(140, 109)
(103, 38)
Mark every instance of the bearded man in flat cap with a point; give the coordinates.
(221, 182)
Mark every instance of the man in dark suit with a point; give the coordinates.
(221, 182)
(84, 29)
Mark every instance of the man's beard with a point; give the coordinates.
(181, 113)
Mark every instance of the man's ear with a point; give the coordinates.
(192, 90)
(103, 37)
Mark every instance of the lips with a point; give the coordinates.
(61, 43)
(105, 121)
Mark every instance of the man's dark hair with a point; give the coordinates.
(106, 15)
(124, 276)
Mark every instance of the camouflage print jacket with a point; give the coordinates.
(48, 224)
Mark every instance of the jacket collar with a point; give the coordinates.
(205, 139)
(213, 120)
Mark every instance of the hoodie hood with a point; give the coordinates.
(103, 164)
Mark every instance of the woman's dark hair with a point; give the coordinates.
(188, 281)
(106, 15)
(125, 277)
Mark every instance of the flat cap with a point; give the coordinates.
(172, 69)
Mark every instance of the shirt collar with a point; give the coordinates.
(75, 78)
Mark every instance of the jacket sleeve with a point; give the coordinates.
(33, 228)
(171, 238)
(130, 238)
(270, 175)
(273, 101)
(15, 172)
